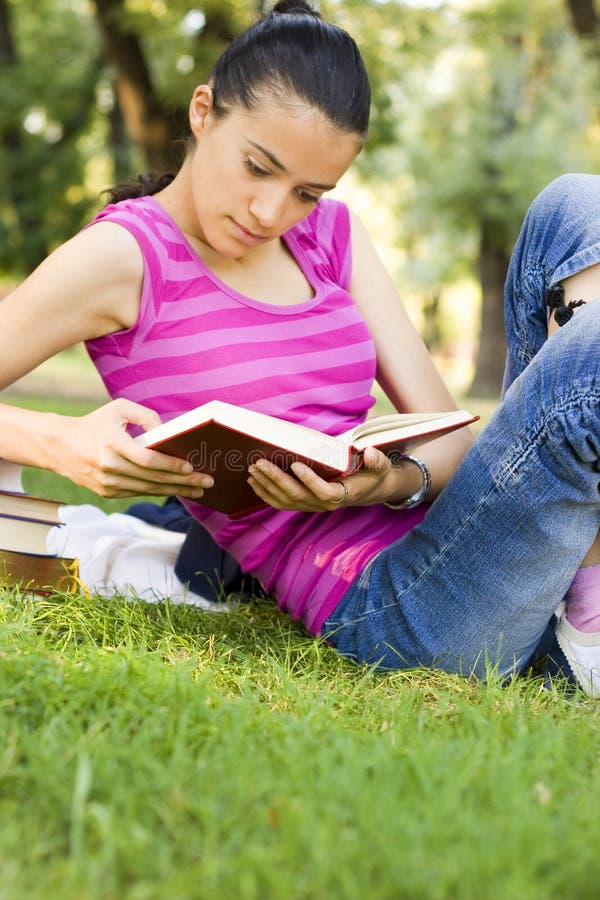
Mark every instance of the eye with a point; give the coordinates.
(307, 197)
(255, 168)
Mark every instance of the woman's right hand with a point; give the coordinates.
(96, 452)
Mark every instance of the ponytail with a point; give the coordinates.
(140, 186)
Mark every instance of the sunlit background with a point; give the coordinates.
(477, 105)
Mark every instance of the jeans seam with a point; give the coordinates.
(527, 345)
(519, 456)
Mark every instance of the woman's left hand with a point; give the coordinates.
(306, 491)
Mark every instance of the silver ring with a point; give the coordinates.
(345, 496)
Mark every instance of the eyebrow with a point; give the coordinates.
(279, 165)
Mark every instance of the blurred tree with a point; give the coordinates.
(396, 38)
(48, 105)
(504, 109)
(150, 124)
(113, 83)
(118, 85)
(154, 48)
(586, 22)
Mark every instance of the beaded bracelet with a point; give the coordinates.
(423, 491)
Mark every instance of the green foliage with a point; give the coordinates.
(48, 105)
(504, 107)
(54, 127)
(395, 38)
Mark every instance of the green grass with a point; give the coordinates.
(154, 751)
(159, 752)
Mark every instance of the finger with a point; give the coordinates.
(132, 487)
(150, 466)
(327, 491)
(113, 472)
(144, 458)
(135, 414)
(283, 491)
(375, 460)
(276, 486)
(129, 413)
(264, 493)
(115, 484)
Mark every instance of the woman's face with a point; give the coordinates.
(256, 174)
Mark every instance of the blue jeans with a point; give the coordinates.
(477, 583)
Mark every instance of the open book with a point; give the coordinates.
(222, 440)
(25, 522)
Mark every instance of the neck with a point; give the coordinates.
(175, 198)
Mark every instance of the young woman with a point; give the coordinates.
(239, 280)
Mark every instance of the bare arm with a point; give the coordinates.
(89, 287)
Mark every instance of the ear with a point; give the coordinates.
(200, 107)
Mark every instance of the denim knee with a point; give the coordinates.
(567, 221)
(566, 199)
(561, 388)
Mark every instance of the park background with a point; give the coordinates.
(477, 105)
(149, 751)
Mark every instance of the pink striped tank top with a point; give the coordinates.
(197, 339)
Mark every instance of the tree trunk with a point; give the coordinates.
(156, 129)
(120, 143)
(489, 364)
(584, 16)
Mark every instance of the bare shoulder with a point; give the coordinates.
(106, 261)
(361, 240)
(95, 278)
(88, 287)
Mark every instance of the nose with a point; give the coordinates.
(268, 205)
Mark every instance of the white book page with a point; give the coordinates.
(11, 476)
(409, 422)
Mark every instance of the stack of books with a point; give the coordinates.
(25, 522)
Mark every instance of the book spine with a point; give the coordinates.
(24, 518)
(355, 462)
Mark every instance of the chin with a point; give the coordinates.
(233, 252)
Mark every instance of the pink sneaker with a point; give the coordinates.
(582, 651)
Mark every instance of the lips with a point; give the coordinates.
(246, 235)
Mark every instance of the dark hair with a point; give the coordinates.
(140, 186)
(290, 54)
